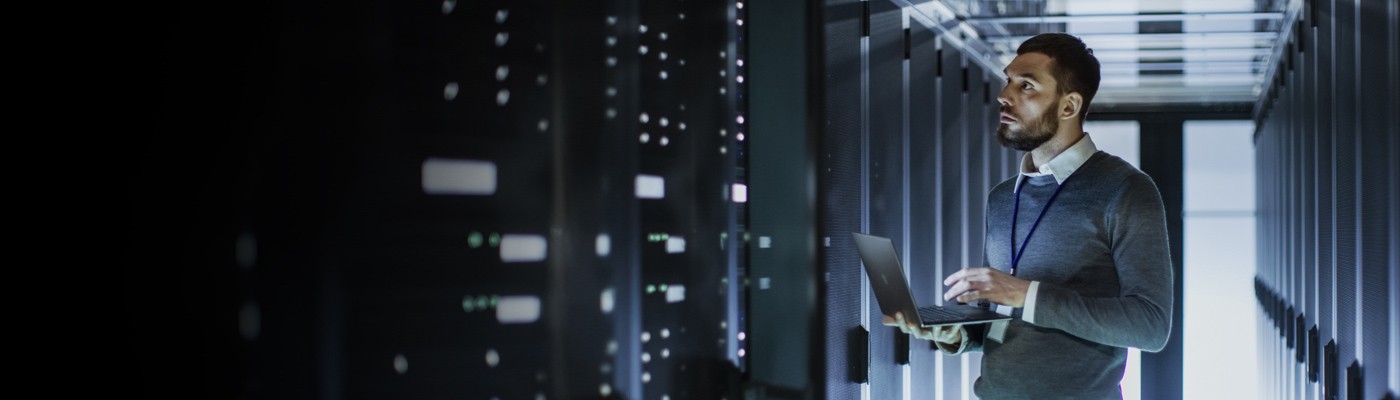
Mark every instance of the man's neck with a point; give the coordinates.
(1058, 144)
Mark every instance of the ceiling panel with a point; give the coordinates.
(1153, 52)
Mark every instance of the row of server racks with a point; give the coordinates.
(1326, 146)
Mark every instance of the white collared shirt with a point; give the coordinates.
(1061, 166)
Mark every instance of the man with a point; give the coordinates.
(1076, 246)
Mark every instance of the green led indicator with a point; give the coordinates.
(495, 239)
(474, 239)
(746, 236)
(481, 302)
(651, 289)
(467, 304)
(663, 287)
(494, 299)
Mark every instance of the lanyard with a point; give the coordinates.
(1015, 210)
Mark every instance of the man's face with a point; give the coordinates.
(1029, 103)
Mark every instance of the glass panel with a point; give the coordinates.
(1219, 263)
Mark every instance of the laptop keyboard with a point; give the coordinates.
(940, 314)
(935, 313)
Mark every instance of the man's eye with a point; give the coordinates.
(1026, 86)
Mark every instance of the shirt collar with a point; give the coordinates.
(1063, 165)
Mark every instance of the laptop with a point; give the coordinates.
(893, 294)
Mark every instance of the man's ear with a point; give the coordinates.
(1071, 105)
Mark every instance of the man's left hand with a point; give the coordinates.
(972, 284)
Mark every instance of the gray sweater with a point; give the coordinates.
(1101, 257)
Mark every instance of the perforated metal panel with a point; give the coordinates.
(885, 168)
(924, 278)
(1308, 167)
(979, 177)
(839, 188)
(1347, 160)
(952, 188)
(1375, 194)
(1325, 165)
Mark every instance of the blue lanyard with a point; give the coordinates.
(1016, 210)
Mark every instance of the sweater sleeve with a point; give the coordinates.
(972, 335)
(1140, 316)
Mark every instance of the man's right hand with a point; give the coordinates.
(950, 335)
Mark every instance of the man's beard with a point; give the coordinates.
(1031, 135)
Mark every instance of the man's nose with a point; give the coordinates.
(1003, 98)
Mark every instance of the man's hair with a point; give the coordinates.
(1075, 68)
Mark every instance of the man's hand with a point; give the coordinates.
(946, 334)
(973, 284)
